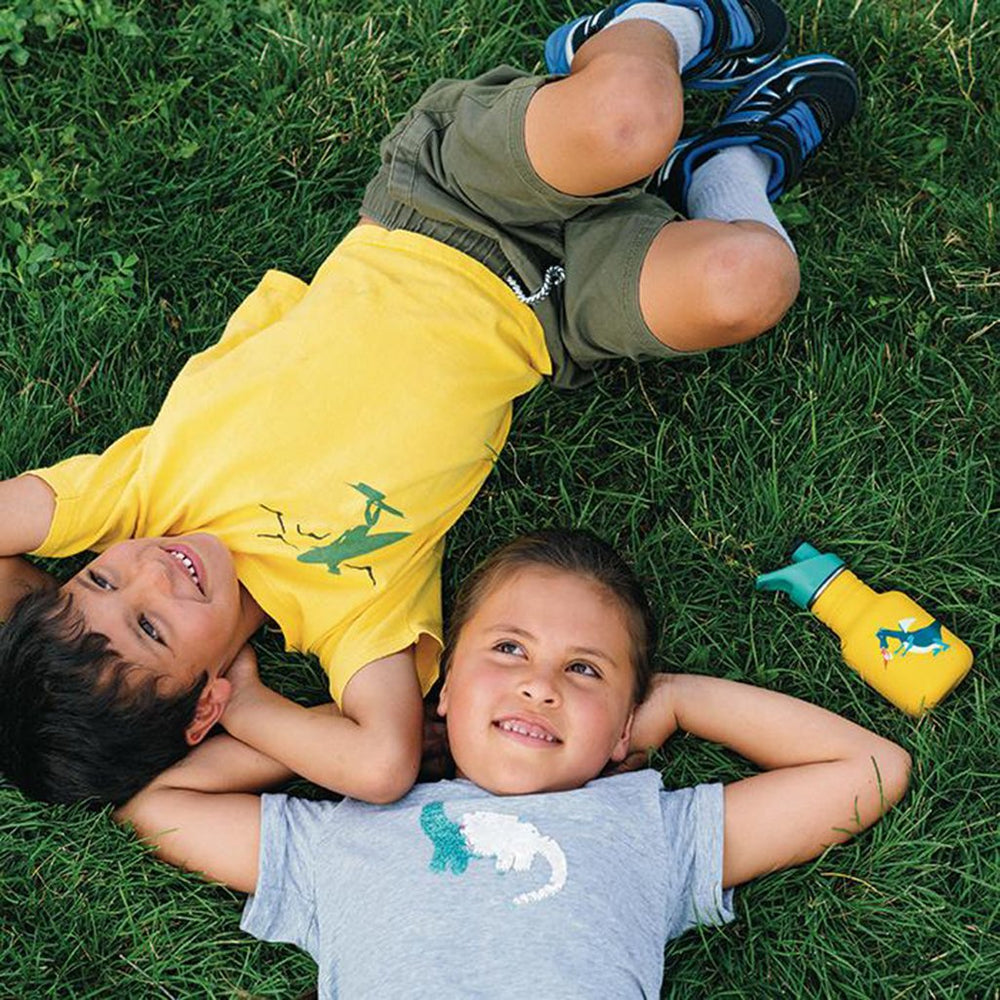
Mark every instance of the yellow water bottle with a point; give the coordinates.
(907, 655)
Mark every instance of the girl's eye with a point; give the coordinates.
(100, 581)
(508, 648)
(579, 667)
(149, 628)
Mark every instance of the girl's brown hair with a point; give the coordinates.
(571, 551)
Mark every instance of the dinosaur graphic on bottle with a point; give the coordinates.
(927, 660)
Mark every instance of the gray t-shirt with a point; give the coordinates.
(456, 893)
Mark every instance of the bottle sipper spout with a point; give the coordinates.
(805, 577)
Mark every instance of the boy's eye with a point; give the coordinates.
(100, 581)
(149, 628)
(579, 667)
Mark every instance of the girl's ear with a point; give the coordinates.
(442, 706)
(211, 704)
(620, 750)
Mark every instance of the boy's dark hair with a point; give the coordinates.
(74, 726)
(572, 551)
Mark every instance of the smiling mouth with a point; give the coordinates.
(188, 564)
(527, 730)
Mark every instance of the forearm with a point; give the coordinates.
(215, 834)
(329, 749)
(770, 729)
(825, 779)
(18, 578)
(201, 814)
(224, 764)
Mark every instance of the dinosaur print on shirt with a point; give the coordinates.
(514, 843)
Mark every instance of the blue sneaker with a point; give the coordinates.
(739, 39)
(786, 113)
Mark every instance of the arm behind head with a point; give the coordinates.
(824, 780)
(201, 814)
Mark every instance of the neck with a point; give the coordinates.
(251, 615)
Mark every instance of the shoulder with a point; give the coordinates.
(645, 784)
(697, 807)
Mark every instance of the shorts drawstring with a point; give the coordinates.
(553, 277)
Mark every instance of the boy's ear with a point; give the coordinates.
(621, 747)
(211, 704)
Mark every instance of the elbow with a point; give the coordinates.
(141, 814)
(382, 789)
(387, 790)
(389, 776)
(129, 814)
(894, 766)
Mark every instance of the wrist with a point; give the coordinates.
(245, 704)
(655, 719)
(690, 695)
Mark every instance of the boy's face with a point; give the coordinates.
(538, 696)
(170, 605)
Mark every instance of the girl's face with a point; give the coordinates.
(538, 696)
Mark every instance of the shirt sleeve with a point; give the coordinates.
(97, 497)
(283, 906)
(693, 828)
(408, 613)
(275, 295)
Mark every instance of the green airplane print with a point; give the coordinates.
(357, 541)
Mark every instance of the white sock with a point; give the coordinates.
(731, 186)
(683, 23)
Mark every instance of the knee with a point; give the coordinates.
(750, 282)
(637, 112)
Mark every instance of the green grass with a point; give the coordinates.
(156, 159)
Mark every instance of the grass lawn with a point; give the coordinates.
(157, 158)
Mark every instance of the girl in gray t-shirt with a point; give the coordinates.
(529, 867)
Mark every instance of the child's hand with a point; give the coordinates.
(655, 720)
(368, 748)
(245, 683)
(18, 578)
(635, 761)
(435, 761)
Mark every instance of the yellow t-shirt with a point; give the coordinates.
(329, 439)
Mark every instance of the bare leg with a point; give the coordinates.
(614, 119)
(709, 284)
(611, 123)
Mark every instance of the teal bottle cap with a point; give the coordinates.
(809, 571)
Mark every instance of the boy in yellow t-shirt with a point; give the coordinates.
(306, 468)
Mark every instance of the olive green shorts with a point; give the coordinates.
(456, 169)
